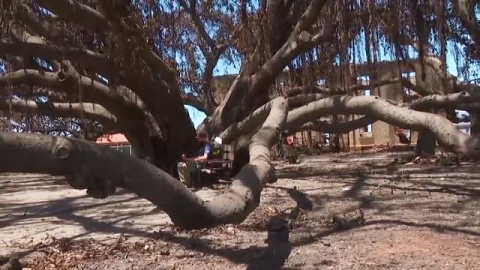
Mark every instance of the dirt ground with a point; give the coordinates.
(344, 211)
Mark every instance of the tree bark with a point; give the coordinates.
(101, 170)
(445, 132)
(149, 78)
(250, 89)
(240, 133)
(338, 128)
(426, 144)
(465, 9)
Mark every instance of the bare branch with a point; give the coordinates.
(31, 48)
(41, 26)
(327, 127)
(310, 16)
(60, 81)
(299, 41)
(119, 101)
(255, 119)
(445, 101)
(194, 101)
(319, 89)
(70, 10)
(465, 9)
(247, 125)
(74, 11)
(198, 23)
(445, 132)
(90, 110)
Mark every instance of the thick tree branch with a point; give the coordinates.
(465, 9)
(52, 52)
(63, 82)
(39, 25)
(445, 132)
(89, 110)
(255, 119)
(76, 12)
(195, 101)
(243, 196)
(444, 101)
(72, 11)
(328, 127)
(299, 40)
(119, 101)
(319, 89)
(101, 169)
(247, 125)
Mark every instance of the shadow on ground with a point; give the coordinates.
(319, 201)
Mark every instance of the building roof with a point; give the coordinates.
(112, 139)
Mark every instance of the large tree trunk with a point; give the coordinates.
(426, 144)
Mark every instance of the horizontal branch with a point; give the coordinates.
(76, 12)
(445, 101)
(445, 132)
(247, 125)
(89, 110)
(38, 24)
(194, 101)
(119, 101)
(82, 14)
(255, 119)
(328, 127)
(319, 89)
(101, 170)
(63, 82)
(84, 57)
(300, 40)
